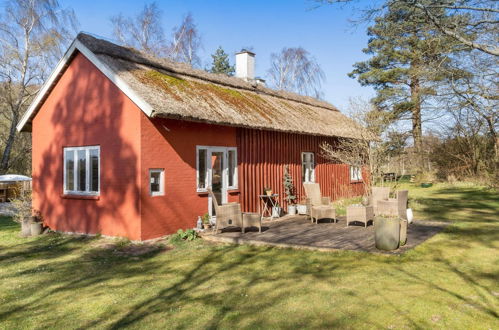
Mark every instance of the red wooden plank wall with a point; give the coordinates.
(263, 154)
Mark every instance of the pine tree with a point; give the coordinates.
(221, 63)
(409, 61)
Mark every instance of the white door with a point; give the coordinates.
(218, 176)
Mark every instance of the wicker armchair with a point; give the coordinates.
(378, 194)
(395, 206)
(227, 214)
(3, 192)
(318, 207)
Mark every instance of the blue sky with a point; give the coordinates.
(266, 26)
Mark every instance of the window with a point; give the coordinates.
(202, 173)
(232, 163)
(204, 166)
(355, 173)
(82, 170)
(308, 167)
(157, 182)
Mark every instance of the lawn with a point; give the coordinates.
(450, 281)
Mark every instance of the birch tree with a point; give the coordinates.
(33, 35)
(186, 42)
(295, 70)
(143, 32)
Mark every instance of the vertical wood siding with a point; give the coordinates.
(263, 155)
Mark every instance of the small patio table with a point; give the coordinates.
(359, 213)
(268, 202)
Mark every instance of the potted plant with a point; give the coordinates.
(206, 221)
(302, 207)
(267, 191)
(387, 233)
(276, 211)
(289, 189)
(36, 227)
(403, 232)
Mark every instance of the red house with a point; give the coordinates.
(125, 144)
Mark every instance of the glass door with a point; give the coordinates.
(218, 176)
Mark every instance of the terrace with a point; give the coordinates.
(298, 232)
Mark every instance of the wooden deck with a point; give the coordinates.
(297, 232)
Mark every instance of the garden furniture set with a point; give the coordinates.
(318, 207)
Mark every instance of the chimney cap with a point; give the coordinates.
(244, 50)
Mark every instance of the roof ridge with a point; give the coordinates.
(135, 56)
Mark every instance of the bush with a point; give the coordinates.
(188, 235)
(23, 207)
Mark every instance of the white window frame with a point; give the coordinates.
(206, 180)
(355, 173)
(305, 179)
(87, 191)
(225, 150)
(234, 181)
(161, 172)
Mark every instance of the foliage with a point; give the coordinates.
(221, 63)
(142, 32)
(206, 218)
(295, 70)
(408, 63)
(33, 35)
(187, 235)
(289, 187)
(23, 207)
(369, 151)
(186, 42)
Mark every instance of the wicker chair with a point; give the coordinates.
(318, 207)
(378, 194)
(227, 214)
(395, 206)
(3, 192)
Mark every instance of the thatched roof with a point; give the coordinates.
(175, 90)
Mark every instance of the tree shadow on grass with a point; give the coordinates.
(481, 203)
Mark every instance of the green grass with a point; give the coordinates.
(450, 281)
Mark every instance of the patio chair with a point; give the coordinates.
(395, 206)
(227, 214)
(3, 192)
(318, 207)
(378, 194)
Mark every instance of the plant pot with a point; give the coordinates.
(276, 212)
(403, 232)
(301, 208)
(206, 226)
(387, 233)
(410, 216)
(26, 228)
(268, 192)
(36, 228)
(291, 209)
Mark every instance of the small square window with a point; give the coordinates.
(157, 182)
(355, 173)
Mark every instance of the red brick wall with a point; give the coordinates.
(171, 144)
(85, 108)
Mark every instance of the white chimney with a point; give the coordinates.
(245, 65)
